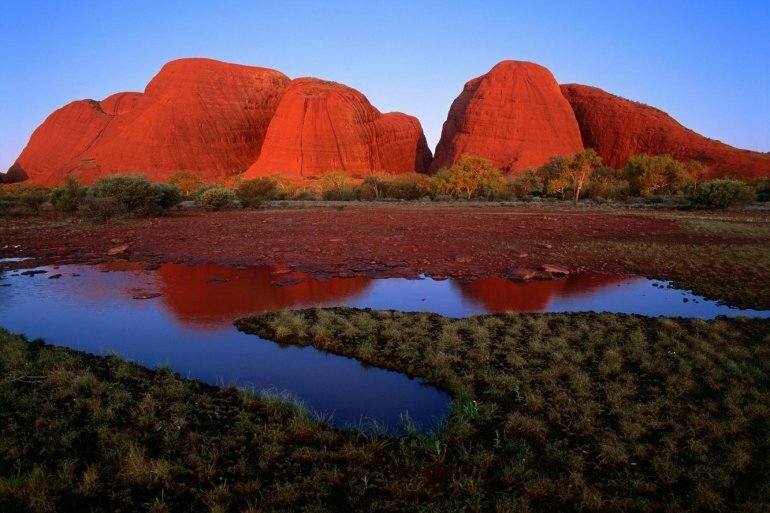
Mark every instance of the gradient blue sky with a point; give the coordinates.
(707, 63)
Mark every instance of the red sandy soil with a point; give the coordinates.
(720, 255)
(375, 240)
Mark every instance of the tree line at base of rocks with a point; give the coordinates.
(564, 177)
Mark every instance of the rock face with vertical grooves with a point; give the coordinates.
(515, 116)
(196, 114)
(324, 126)
(618, 128)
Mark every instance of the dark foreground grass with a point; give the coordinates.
(556, 412)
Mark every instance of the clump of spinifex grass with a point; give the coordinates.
(556, 412)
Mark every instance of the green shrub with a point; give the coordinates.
(252, 193)
(203, 188)
(470, 177)
(659, 174)
(723, 194)
(607, 183)
(342, 194)
(69, 197)
(101, 209)
(136, 193)
(217, 198)
(29, 196)
(762, 188)
(170, 195)
(410, 186)
(528, 184)
(337, 186)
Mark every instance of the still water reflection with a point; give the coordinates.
(189, 325)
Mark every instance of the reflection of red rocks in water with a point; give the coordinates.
(213, 294)
(501, 294)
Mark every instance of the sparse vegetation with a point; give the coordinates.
(27, 196)
(556, 412)
(138, 195)
(69, 197)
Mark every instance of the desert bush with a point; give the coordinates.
(762, 188)
(530, 183)
(470, 177)
(217, 198)
(292, 190)
(337, 185)
(719, 194)
(68, 197)
(659, 174)
(411, 186)
(344, 194)
(138, 195)
(101, 209)
(170, 195)
(252, 193)
(203, 188)
(28, 196)
(187, 182)
(375, 185)
(607, 183)
(507, 193)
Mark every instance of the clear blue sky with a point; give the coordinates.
(707, 63)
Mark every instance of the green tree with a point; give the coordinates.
(377, 181)
(471, 176)
(580, 167)
(658, 174)
(554, 174)
(696, 169)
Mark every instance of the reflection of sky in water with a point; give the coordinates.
(190, 327)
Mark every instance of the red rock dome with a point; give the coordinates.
(324, 126)
(515, 116)
(196, 114)
(618, 128)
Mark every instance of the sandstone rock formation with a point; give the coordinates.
(618, 128)
(515, 116)
(196, 114)
(324, 126)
